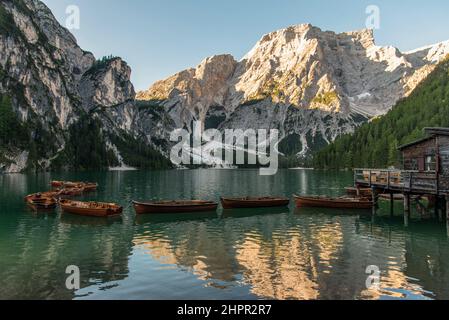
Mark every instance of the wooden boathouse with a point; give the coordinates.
(425, 172)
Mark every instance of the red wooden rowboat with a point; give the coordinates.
(174, 206)
(57, 184)
(49, 194)
(71, 192)
(90, 186)
(94, 209)
(70, 184)
(38, 202)
(262, 202)
(339, 203)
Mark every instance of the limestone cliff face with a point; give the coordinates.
(52, 83)
(197, 89)
(312, 84)
(108, 87)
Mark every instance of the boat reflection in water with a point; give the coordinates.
(77, 220)
(143, 219)
(245, 213)
(310, 253)
(288, 257)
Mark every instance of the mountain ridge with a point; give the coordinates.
(324, 83)
(311, 85)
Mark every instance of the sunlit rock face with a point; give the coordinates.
(311, 84)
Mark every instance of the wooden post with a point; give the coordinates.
(388, 180)
(436, 207)
(374, 195)
(406, 209)
(447, 209)
(439, 209)
(391, 204)
(447, 215)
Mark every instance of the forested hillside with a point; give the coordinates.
(375, 144)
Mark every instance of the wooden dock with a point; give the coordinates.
(401, 181)
(407, 183)
(425, 173)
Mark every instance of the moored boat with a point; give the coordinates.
(339, 203)
(71, 192)
(181, 206)
(94, 209)
(90, 186)
(38, 202)
(87, 186)
(51, 194)
(261, 202)
(70, 184)
(57, 184)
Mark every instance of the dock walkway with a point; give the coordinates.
(400, 181)
(408, 183)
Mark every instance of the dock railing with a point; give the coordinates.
(397, 180)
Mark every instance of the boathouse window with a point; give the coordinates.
(431, 163)
(411, 164)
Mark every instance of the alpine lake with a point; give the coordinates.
(250, 254)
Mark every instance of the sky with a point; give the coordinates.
(161, 37)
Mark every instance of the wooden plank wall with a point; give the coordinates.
(444, 166)
(416, 155)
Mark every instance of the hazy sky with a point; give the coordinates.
(161, 37)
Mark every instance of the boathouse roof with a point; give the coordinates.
(430, 134)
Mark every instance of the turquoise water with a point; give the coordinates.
(243, 254)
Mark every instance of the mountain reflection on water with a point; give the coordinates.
(233, 254)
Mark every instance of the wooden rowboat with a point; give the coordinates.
(262, 202)
(339, 203)
(50, 194)
(70, 184)
(38, 202)
(57, 184)
(90, 186)
(71, 192)
(174, 206)
(93, 209)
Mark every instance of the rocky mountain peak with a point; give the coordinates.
(200, 88)
(107, 84)
(333, 81)
(364, 36)
(306, 32)
(213, 66)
